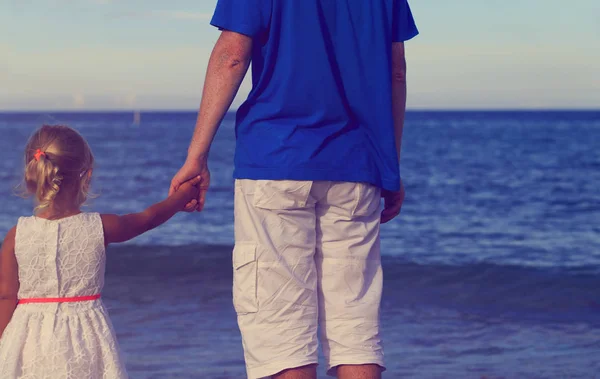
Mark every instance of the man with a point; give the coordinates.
(318, 145)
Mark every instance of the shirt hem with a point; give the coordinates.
(238, 28)
(356, 175)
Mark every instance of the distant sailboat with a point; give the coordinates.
(137, 118)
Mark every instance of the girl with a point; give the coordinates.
(52, 321)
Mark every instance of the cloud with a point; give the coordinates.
(166, 15)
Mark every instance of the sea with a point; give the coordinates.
(492, 270)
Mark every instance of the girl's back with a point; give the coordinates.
(60, 259)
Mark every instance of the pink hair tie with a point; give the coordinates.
(38, 154)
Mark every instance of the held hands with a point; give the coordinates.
(192, 169)
(392, 203)
(187, 194)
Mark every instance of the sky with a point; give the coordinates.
(152, 54)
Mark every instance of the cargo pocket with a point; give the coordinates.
(368, 200)
(281, 194)
(245, 278)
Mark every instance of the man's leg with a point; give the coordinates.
(306, 372)
(359, 372)
(275, 278)
(350, 280)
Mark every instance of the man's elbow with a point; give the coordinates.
(233, 51)
(233, 61)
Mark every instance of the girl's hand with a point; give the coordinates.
(191, 169)
(123, 228)
(187, 194)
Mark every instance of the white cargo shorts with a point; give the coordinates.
(307, 255)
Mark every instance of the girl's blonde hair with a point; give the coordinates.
(58, 164)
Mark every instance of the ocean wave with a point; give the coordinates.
(553, 293)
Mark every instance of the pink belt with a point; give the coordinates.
(59, 299)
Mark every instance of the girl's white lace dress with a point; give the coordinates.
(60, 259)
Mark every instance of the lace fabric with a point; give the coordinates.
(60, 258)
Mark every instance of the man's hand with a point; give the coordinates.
(190, 170)
(187, 194)
(392, 203)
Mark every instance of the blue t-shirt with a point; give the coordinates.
(321, 101)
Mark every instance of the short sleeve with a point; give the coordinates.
(404, 23)
(248, 17)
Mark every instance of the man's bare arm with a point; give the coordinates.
(398, 91)
(227, 67)
(393, 200)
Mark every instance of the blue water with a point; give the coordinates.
(492, 270)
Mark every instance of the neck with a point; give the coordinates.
(56, 212)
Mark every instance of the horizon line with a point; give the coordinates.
(184, 110)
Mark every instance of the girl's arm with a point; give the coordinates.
(9, 279)
(123, 228)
